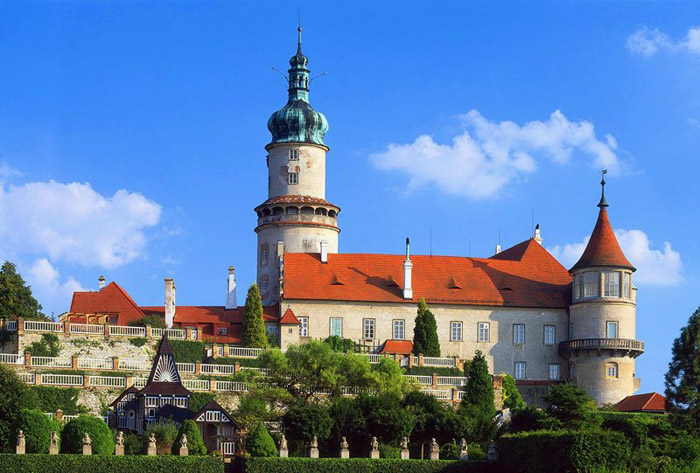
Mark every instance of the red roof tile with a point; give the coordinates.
(296, 199)
(289, 318)
(112, 299)
(649, 402)
(198, 314)
(400, 347)
(602, 248)
(523, 276)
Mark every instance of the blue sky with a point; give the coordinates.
(132, 137)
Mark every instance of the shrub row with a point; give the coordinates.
(187, 351)
(11, 463)
(564, 451)
(363, 465)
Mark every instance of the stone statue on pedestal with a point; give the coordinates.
(344, 448)
(184, 451)
(119, 444)
(53, 446)
(21, 443)
(404, 453)
(313, 451)
(284, 451)
(152, 449)
(87, 444)
(434, 450)
(374, 453)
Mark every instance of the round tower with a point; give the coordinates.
(295, 217)
(602, 347)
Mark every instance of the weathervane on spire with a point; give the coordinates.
(299, 29)
(602, 204)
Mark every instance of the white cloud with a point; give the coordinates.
(7, 172)
(48, 288)
(488, 155)
(648, 42)
(73, 223)
(655, 267)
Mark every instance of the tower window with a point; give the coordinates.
(263, 286)
(611, 283)
(611, 370)
(518, 334)
(456, 331)
(626, 280)
(294, 178)
(368, 329)
(611, 329)
(293, 154)
(550, 334)
(303, 326)
(263, 256)
(554, 371)
(519, 370)
(591, 284)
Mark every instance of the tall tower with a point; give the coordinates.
(295, 217)
(602, 347)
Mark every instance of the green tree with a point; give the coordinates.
(385, 418)
(252, 409)
(511, 396)
(48, 345)
(259, 442)
(155, 321)
(195, 444)
(75, 429)
(683, 377)
(434, 419)
(349, 422)
(253, 325)
(425, 338)
(478, 403)
(571, 405)
(15, 396)
(16, 299)
(37, 428)
(304, 421)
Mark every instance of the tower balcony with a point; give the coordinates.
(626, 346)
(299, 210)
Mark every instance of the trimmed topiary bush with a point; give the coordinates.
(37, 429)
(195, 444)
(260, 443)
(187, 351)
(101, 436)
(164, 433)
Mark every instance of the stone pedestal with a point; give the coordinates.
(404, 455)
(374, 453)
(435, 455)
(20, 450)
(152, 451)
(53, 449)
(344, 453)
(184, 451)
(284, 453)
(119, 450)
(87, 449)
(313, 452)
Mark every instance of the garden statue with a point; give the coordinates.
(313, 452)
(152, 449)
(463, 450)
(87, 444)
(120, 438)
(53, 447)
(344, 448)
(284, 451)
(491, 452)
(184, 451)
(403, 453)
(21, 443)
(374, 453)
(119, 447)
(434, 450)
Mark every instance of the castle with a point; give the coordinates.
(530, 316)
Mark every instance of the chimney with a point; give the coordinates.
(324, 251)
(231, 302)
(498, 249)
(102, 282)
(169, 302)
(407, 266)
(538, 237)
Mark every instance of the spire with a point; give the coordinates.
(602, 204)
(299, 41)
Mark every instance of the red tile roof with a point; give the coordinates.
(200, 314)
(523, 276)
(112, 299)
(400, 347)
(602, 248)
(649, 402)
(296, 199)
(289, 318)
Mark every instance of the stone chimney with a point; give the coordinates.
(407, 268)
(169, 302)
(538, 236)
(102, 282)
(324, 251)
(498, 249)
(231, 302)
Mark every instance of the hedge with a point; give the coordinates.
(363, 465)
(187, 351)
(100, 435)
(11, 463)
(564, 451)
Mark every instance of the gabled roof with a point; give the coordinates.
(289, 318)
(648, 402)
(111, 299)
(602, 248)
(523, 276)
(166, 388)
(400, 347)
(199, 314)
(215, 406)
(164, 369)
(131, 389)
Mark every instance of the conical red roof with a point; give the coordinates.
(602, 248)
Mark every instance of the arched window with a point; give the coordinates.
(292, 210)
(321, 211)
(332, 213)
(307, 211)
(277, 211)
(611, 370)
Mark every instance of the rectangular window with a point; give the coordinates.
(611, 329)
(484, 332)
(220, 351)
(293, 154)
(518, 334)
(550, 334)
(611, 281)
(368, 329)
(303, 326)
(611, 370)
(456, 331)
(222, 330)
(591, 284)
(336, 327)
(263, 256)
(626, 279)
(519, 371)
(554, 371)
(294, 178)
(399, 331)
(150, 412)
(578, 287)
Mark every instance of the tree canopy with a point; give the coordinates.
(16, 299)
(259, 442)
(511, 396)
(425, 338)
(253, 324)
(570, 404)
(16, 396)
(683, 377)
(478, 402)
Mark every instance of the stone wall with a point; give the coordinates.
(93, 346)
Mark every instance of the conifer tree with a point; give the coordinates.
(16, 299)
(260, 443)
(683, 377)
(479, 390)
(195, 444)
(254, 335)
(425, 338)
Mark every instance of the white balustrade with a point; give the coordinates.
(107, 381)
(96, 363)
(420, 379)
(51, 362)
(242, 352)
(440, 394)
(61, 379)
(11, 359)
(87, 329)
(451, 381)
(126, 331)
(185, 367)
(157, 332)
(175, 333)
(217, 369)
(196, 384)
(231, 386)
(134, 365)
(11, 326)
(434, 361)
(67, 418)
(41, 326)
(29, 378)
(460, 395)
(140, 382)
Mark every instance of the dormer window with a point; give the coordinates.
(294, 155)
